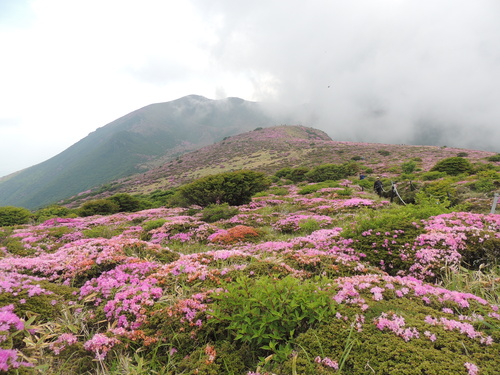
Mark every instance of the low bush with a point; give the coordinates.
(98, 207)
(453, 166)
(268, 314)
(234, 188)
(494, 158)
(216, 212)
(10, 215)
(126, 202)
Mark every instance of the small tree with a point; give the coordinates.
(10, 215)
(234, 188)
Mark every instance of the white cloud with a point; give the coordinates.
(380, 71)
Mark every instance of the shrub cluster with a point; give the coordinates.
(234, 188)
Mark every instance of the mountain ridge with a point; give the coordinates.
(125, 146)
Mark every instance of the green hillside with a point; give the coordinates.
(130, 145)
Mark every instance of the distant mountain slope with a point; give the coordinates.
(130, 144)
(273, 148)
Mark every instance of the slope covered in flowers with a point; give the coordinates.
(293, 283)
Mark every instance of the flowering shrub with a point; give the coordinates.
(239, 233)
(346, 291)
(292, 223)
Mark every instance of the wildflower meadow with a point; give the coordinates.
(314, 280)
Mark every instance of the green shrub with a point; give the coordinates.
(308, 226)
(52, 212)
(276, 190)
(483, 185)
(462, 154)
(293, 174)
(408, 167)
(312, 188)
(10, 215)
(384, 152)
(268, 313)
(430, 176)
(126, 202)
(494, 158)
(98, 207)
(453, 166)
(234, 188)
(216, 212)
(440, 190)
(102, 231)
(153, 224)
(326, 172)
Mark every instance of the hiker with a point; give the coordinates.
(378, 187)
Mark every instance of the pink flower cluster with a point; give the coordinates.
(327, 362)
(63, 341)
(9, 360)
(292, 223)
(396, 324)
(100, 344)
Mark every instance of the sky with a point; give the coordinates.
(385, 71)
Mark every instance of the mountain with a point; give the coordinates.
(131, 144)
(273, 148)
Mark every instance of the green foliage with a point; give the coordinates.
(153, 224)
(102, 231)
(234, 188)
(440, 190)
(494, 158)
(462, 154)
(159, 198)
(326, 172)
(98, 207)
(434, 175)
(408, 167)
(483, 185)
(308, 226)
(216, 212)
(52, 212)
(384, 152)
(293, 174)
(312, 188)
(453, 166)
(10, 215)
(126, 202)
(269, 313)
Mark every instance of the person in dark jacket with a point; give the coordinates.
(378, 186)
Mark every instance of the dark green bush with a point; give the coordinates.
(494, 158)
(10, 215)
(384, 152)
(216, 212)
(293, 174)
(126, 202)
(326, 172)
(409, 167)
(453, 166)
(234, 188)
(98, 207)
(462, 154)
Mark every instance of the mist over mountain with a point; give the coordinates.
(131, 144)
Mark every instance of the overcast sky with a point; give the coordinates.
(390, 71)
